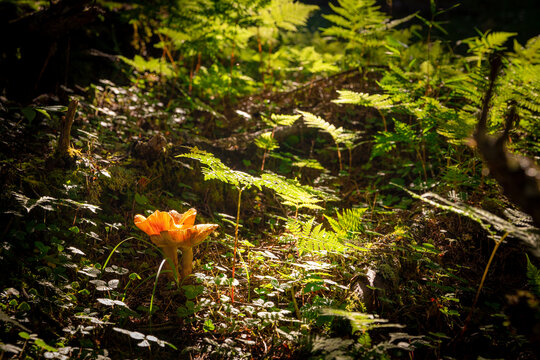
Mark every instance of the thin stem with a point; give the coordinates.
(339, 157)
(484, 276)
(236, 240)
(264, 157)
(246, 269)
(295, 304)
(497, 244)
(422, 162)
(383, 120)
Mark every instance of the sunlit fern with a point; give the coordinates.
(312, 237)
(381, 102)
(280, 119)
(378, 101)
(215, 169)
(158, 66)
(285, 14)
(339, 135)
(292, 193)
(348, 223)
(361, 24)
(354, 19)
(266, 142)
(485, 44)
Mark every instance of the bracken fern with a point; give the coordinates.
(313, 238)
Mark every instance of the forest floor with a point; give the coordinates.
(80, 278)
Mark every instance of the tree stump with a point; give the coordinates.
(62, 154)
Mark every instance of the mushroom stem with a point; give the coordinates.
(187, 261)
(171, 255)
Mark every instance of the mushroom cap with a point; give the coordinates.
(160, 221)
(192, 236)
(173, 229)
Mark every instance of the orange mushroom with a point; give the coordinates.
(172, 230)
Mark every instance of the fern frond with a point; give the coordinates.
(349, 138)
(318, 122)
(378, 101)
(153, 65)
(356, 14)
(495, 40)
(279, 119)
(530, 52)
(486, 43)
(311, 237)
(348, 222)
(214, 169)
(361, 24)
(308, 163)
(286, 14)
(266, 142)
(291, 192)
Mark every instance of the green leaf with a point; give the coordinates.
(192, 291)
(214, 169)
(533, 274)
(42, 344)
(266, 142)
(43, 112)
(29, 114)
(24, 307)
(24, 335)
(208, 325)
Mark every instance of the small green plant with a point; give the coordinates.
(349, 223)
(312, 238)
(294, 194)
(486, 43)
(266, 140)
(363, 27)
(381, 102)
(339, 135)
(267, 143)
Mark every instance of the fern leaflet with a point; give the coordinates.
(313, 238)
(348, 222)
(215, 169)
(378, 101)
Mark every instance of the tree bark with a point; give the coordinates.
(62, 148)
